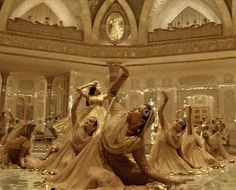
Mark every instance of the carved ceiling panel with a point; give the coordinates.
(136, 6)
(94, 6)
(229, 5)
(39, 13)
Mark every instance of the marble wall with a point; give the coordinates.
(183, 81)
(25, 96)
(213, 80)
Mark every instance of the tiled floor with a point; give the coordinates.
(221, 179)
(18, 179)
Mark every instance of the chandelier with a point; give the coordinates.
(92, 3)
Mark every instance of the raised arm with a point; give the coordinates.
(80, 89)
(118, 83)
(189, 120)
(179, 114)
(12, 119)
(74, 108)
(161, 107)
(139, 157)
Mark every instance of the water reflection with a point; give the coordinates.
(221, 179)
(18, 179)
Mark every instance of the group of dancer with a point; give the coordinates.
(102, 148)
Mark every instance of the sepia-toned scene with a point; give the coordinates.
(117, 94)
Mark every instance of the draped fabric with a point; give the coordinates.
(216, 147)
(18, 139)
(114, 137)
(65, 155)
(90, 169)
(94, 110)
(194, 154)
(164, 156)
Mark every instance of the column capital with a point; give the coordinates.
(49, 78)
(113, 71)
(4, 75)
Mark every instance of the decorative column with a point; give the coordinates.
(113, 71)
(66, 89)
(234, 15)
(114, 75)
(227, 100)
(4, 76)
(49, 94)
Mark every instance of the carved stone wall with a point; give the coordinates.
(21, 25)
(229, 5)
(136, 6)
(94, 6)
(26, 96)
(229, 106)
(1, 2)
(145, 51)
(197, 80)
(210, 29)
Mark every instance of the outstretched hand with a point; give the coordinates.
(189, 109)
(164, 95)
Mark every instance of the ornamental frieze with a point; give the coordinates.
(141, 51)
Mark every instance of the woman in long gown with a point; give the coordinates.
(195, 155)
(17, 146)
(215, 143)
(165, 152)
(94, 108)
(103, 163)
(81, 135)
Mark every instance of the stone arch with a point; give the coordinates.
(58, 7)
(4, 13)
(176, 7)
(225, 16)
(105, 7)
(86, 18)
(144, 21)
(229, 105)
(234, 15)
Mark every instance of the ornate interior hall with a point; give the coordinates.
(185, 47)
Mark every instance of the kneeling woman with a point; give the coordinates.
(81, 135)
(192, 151)
(16, 148)
(215, 143)
(165, 152)
(104, 163)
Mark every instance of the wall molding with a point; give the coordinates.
(180, 47)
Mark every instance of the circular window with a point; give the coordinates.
(115, 27)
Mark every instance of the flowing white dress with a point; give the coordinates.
(164, 156)
(95, 109)
(92, 168)
(194, 154)
(67, 152)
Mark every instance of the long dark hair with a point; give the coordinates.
(92, 90)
